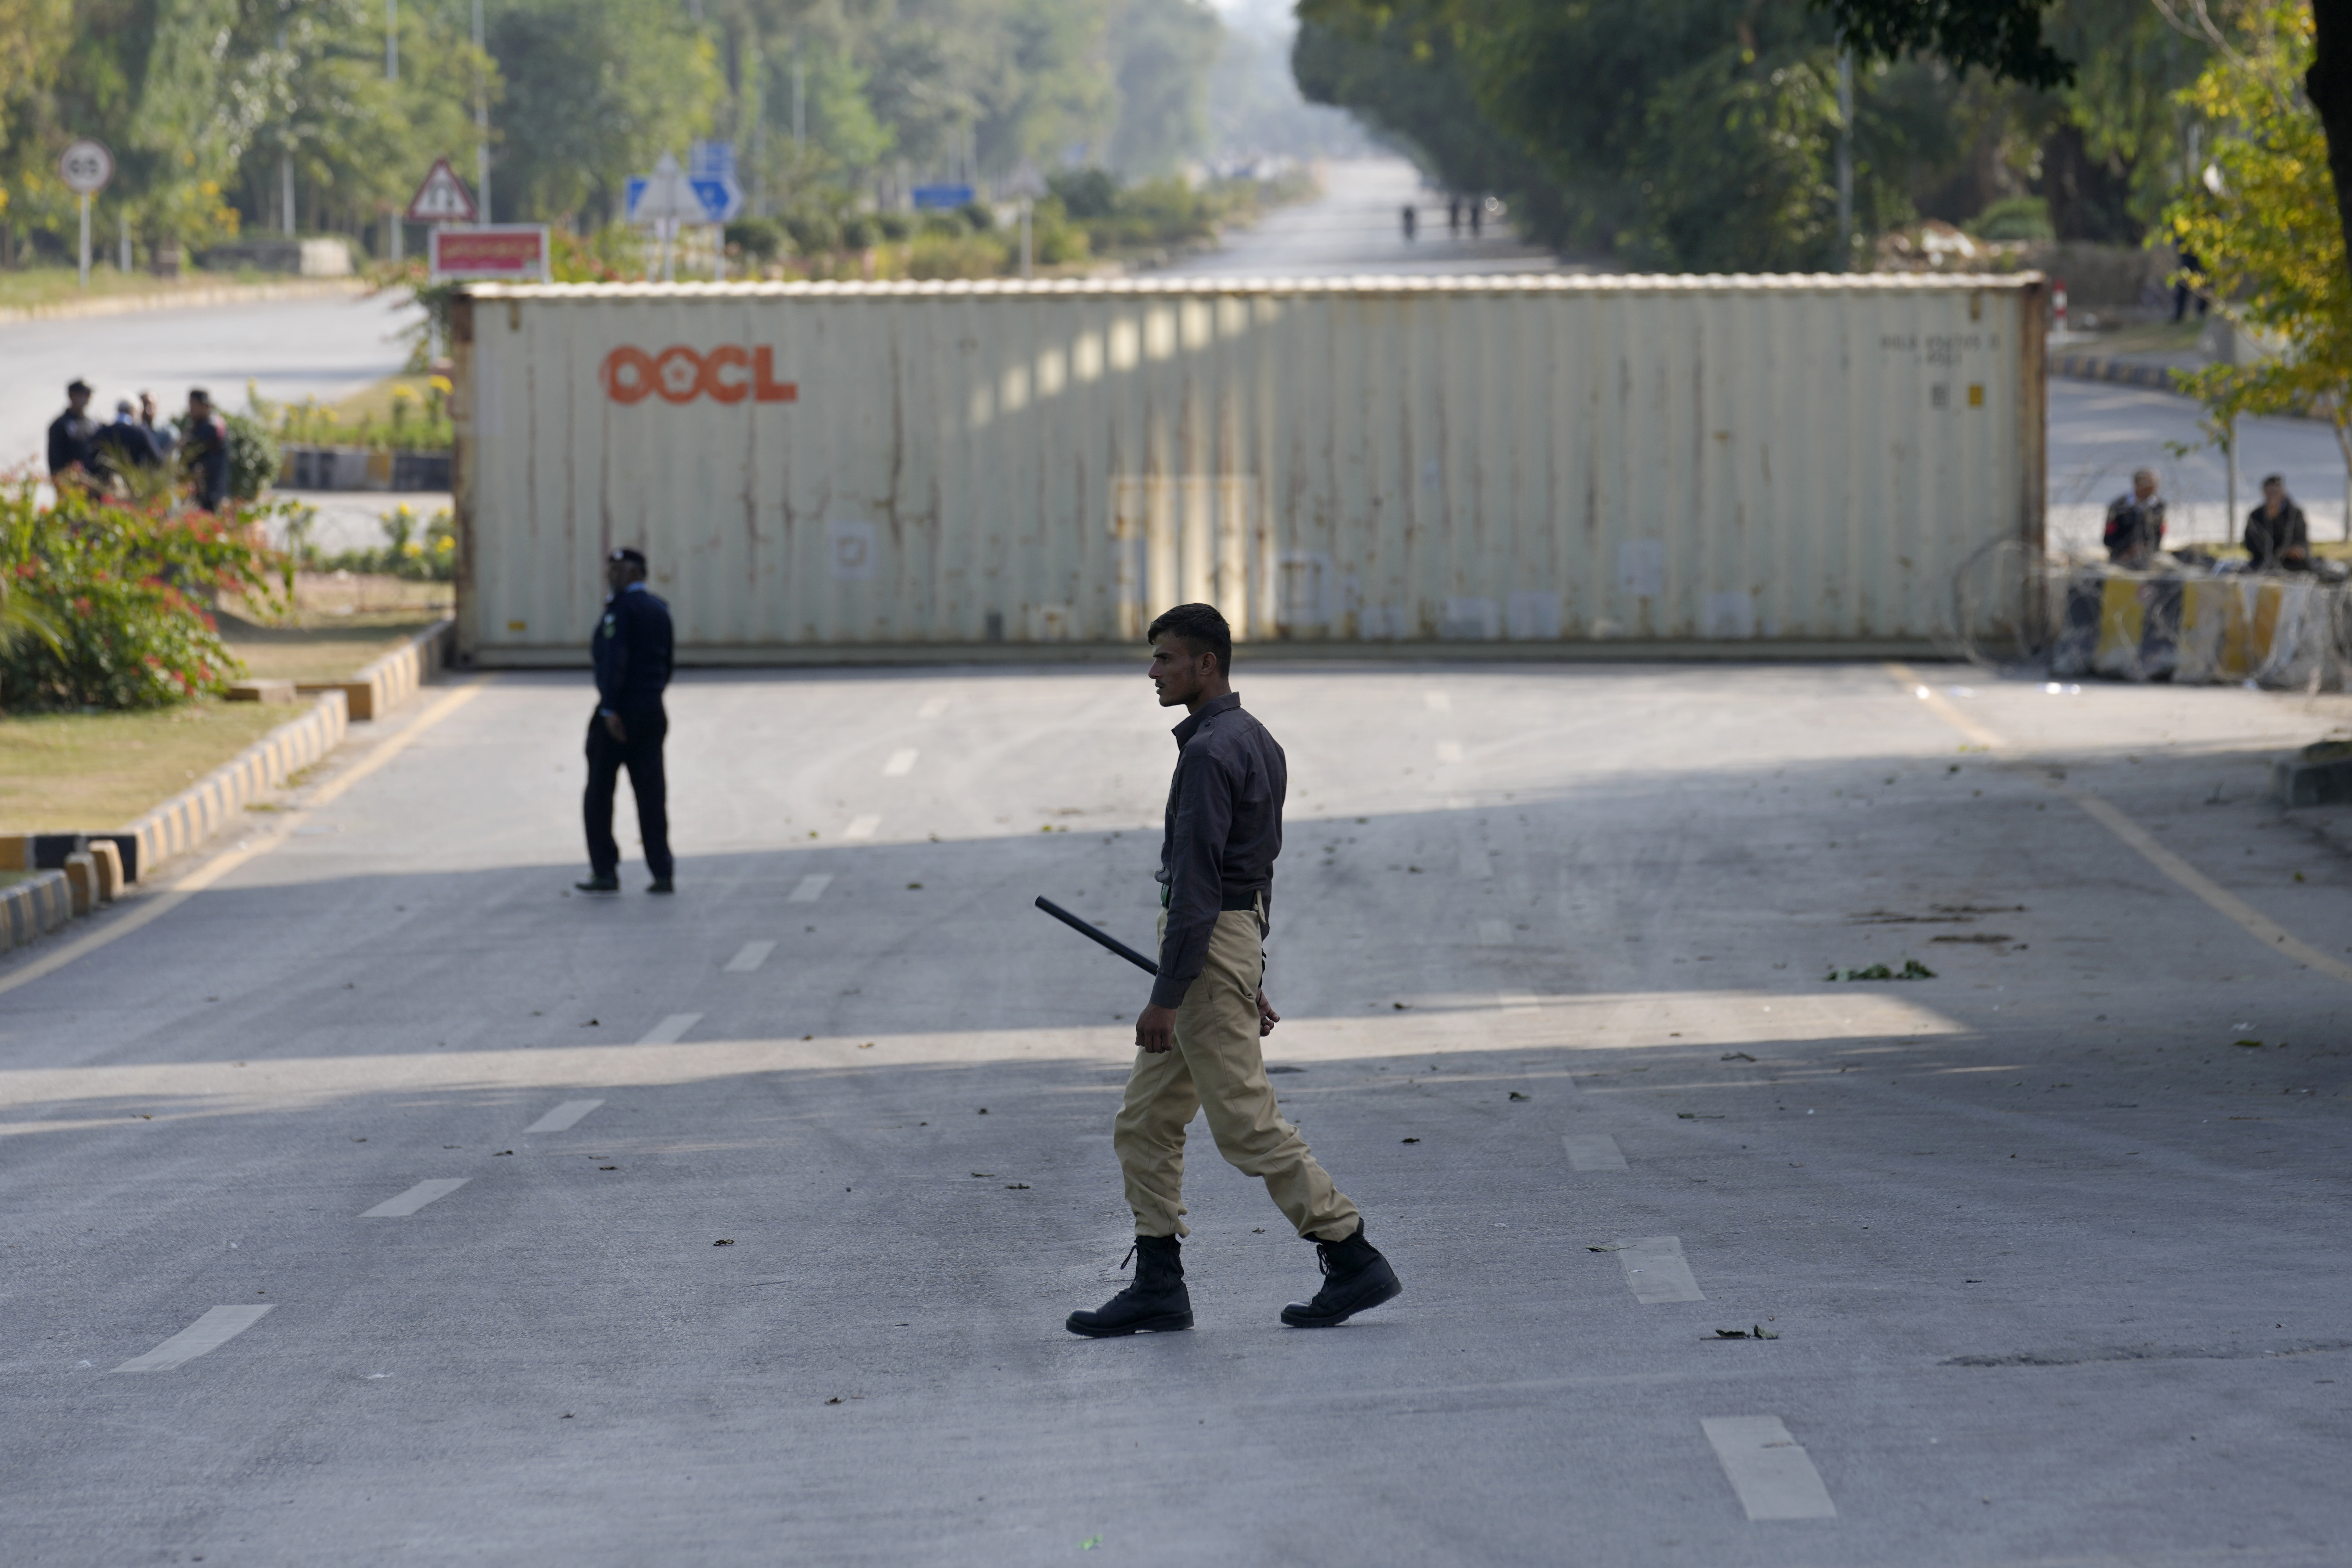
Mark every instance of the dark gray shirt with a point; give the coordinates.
(1223, 830)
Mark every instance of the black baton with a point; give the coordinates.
(1112, 942)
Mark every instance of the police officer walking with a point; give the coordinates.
(1197, 1043)
(631, 654)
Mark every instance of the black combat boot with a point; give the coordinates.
(1156, 1300)
(1356, 1279)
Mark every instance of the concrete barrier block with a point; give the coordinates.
(261, 692)
(16, 852)
(81, 881)
(33, 908)
(108, 858)
(2319, 775)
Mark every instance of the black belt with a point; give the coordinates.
(1230, 901)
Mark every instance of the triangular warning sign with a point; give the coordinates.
(442, 199)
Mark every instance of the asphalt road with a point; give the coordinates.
(2056, 1267)
(286, 349)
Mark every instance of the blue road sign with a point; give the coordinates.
(930, 196)
(722, 198)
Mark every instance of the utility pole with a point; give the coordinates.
(1845, 161)
(481, 122)
(285, 156)
(393, 237)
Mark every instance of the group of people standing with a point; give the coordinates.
(82, 450)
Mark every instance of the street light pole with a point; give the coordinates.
(394, 240)
(1845, 161)
(481, 120)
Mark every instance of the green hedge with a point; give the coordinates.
(106, 602)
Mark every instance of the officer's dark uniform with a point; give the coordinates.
(632, 651)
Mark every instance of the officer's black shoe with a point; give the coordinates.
(1356, 1279)
(599, 885)
(1157, 1301)
(661, 885)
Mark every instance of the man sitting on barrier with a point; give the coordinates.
(2135, 530)
(2278, 539)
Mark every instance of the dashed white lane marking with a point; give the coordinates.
(1495, 934)
(1438, 701)
(563, 1117)
(810, 888)
(1592, 1152)
(1772, 1474)
(1517, 1001)
(861, 827)
(671, 1030)
(752, 955)
(932, 709)
(416, 1197)
(900, 764)
(209, 1332)
(1656, 1270)
(1449, 751)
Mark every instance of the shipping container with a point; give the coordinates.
(1541, 465)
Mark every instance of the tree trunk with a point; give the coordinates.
(2329, 84)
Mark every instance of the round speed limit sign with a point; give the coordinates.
(86, 167)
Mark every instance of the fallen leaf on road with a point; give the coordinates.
(1731, 1333)
(1590, 1247)
(2250, 1045)
(1736, 1056)
(1517, 1095)
(728, 1242)
(834, 1400)
(1017, 1186)
(1409, 1139)
(501, 1152)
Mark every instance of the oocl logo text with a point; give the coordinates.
(729, 374)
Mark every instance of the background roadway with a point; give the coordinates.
(2056, 1267)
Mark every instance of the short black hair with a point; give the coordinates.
(1201, 628)
(633, 557)
(2270, 479)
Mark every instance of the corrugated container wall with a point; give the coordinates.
(1541, 461)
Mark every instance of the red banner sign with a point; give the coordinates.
(507, 252)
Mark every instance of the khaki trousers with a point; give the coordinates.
(1217, 1067)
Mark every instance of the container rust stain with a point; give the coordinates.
(1540, 463)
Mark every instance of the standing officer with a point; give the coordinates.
(73, 438)
(1197, 1043)
(632, 652)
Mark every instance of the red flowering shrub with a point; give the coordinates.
(117, 592)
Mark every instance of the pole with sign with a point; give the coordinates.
(86, 167)
(666, 199)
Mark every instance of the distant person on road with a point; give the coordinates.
(203, 449)
(2182, 293)
(1411, 219)
(1454, 215)
(126, 442)
(1477, 207)
(2135, 530)
(1197, 1043)
(163, 436)
(631, 651)
(73, 438)
(2278, 538)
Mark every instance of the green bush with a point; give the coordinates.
(755, 237)
(253, 456)
(122, 590)
(2014, 218)
(936, 256)
(426, 556)
(1085, 193)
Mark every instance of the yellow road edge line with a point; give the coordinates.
(2223, 901)
(221, 864)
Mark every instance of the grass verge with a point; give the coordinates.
(32, 286)
(70, 773)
